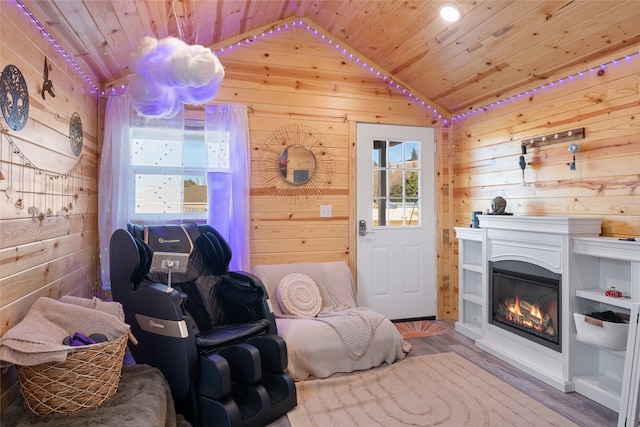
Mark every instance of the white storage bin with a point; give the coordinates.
(609, 335)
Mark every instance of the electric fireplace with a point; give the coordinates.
(525, 300)
(528, 262)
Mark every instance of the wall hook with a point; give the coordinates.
(573, 148)
(523, 162)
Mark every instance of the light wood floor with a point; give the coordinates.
(573, 406)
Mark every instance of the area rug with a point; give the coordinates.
(434, 390)
(421, 328)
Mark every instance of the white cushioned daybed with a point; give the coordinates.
(325, 331)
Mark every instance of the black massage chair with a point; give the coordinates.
(211, 332)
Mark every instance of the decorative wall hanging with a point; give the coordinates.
(297, 163)
(75, 134)
(554, 138)
(47, 85)
(14, 98)
(2, 132)
(10, 192)
(51, 193)
(19, 204)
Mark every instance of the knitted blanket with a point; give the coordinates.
(111, 307)
(38, 337)
(354, 325)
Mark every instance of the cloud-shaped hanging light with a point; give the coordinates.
(168, 73)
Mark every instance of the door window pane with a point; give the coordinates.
(412, 150)
(379, 154)
(396, 183)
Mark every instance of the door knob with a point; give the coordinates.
(362, 227)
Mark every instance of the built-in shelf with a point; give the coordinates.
(607, 247)
(601, 388)
(617, 353)
(598, 295)
(603, 263)
(470, 282)
(473, 297)
(472, 267)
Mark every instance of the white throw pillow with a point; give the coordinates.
(298, 295)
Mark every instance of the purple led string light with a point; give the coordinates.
(343, 51)
(535, 90)
(55, 44)
(295, 24)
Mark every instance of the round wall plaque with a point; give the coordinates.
(14, 97)
(75, 134)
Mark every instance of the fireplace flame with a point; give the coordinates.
(535, 312)
(524, 313)
(515, 308)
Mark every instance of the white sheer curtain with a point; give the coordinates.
(113, 174)
(227, 138)
(227, 128)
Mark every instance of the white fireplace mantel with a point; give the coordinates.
(571, 247)
(542, 241)
(572, 226)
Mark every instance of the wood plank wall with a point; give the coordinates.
(606, 181)
(57, 255)
(296, 77)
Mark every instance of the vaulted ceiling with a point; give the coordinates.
(496, 47)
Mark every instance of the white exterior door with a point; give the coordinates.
(396, 259)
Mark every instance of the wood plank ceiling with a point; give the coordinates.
(495, 48)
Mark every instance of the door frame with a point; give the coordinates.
(442, 224)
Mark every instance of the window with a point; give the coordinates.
(169, 169)
(396, 183)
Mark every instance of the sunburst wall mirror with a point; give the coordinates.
(297, 163)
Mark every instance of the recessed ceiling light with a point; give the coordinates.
(450, 12)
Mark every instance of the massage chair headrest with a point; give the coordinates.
(171, 238)
(212, 247)
(145, 262)
(215, 250)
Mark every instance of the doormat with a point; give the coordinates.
(422, 328)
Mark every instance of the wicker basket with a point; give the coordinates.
(88, 377)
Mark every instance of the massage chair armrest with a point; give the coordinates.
(245, 299)
(157, 300)
(165, 336)
(175, 295)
